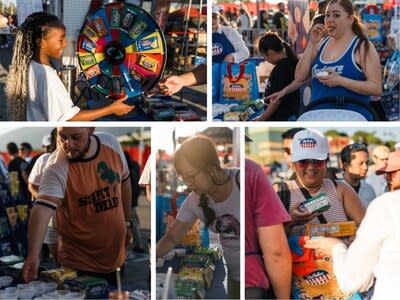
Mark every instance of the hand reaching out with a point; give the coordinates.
(119, 108)
(171, 85)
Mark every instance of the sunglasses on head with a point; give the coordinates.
(305, 162)
(358, 147)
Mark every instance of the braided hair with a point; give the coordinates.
(200, 152)
(35, 27)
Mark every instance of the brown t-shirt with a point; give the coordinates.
(90, 220)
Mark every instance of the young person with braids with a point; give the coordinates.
(278, 52)
(34, 90)
(215, 200)
(344, 63)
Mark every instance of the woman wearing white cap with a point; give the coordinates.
(310, 156)
(375, 251)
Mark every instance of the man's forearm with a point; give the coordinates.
(280, 275)
(37, 228)
(127, 198)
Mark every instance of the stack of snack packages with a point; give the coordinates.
(196, 273)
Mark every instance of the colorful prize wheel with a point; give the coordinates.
(121, 50)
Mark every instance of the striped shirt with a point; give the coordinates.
(336, 212)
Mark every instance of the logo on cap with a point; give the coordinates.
(308, 143)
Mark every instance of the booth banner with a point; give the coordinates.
(216, 70)
(239, 81)
(298, 24)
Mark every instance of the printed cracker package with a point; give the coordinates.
(339, 229)
(93, 287)
(59, 275)
(313, 276)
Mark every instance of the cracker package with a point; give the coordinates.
(313, 276)
(239, 81)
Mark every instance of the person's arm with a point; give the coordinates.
(371, 66)
(37, 227)
(127, 198)
(148, 192)
(174, 84)
(353, 207)
(118, 107)
(241, 51)
(34, 189)
(293, 86)
(271, 108)
(126, 194)
(303, 68)
(354, 266)
(277, 258)
(172, 237)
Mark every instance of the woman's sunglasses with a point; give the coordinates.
(305, 162)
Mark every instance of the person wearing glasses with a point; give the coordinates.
(375, 250)
(380, 156)
(354, 160)
(310, 157)
(215, 200)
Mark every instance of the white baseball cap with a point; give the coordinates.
(46, 141)
(309, 144)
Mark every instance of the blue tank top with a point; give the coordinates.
(345, 66)
(221, 47)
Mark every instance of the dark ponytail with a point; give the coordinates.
(209, 214)
(271, 41)
(290, 53)
(359, 32)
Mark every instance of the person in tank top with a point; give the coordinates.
(310, 157)
(344, 63)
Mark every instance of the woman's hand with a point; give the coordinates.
(322, 245)
(317, 33)
(299, 217)
(333, 79)
(119, 108)
(229, 58)
(275, 97)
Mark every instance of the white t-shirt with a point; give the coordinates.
(235, 38)
(38, 169)
(145, 178)
(226, 223)
(375, 251)
(48, 98)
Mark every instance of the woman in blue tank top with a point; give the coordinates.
(343, 64)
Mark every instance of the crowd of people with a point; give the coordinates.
(372, 208)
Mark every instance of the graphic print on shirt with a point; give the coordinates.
(217, 49)
(227, 226)
(105, 198)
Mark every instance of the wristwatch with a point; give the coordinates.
(129, 223)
